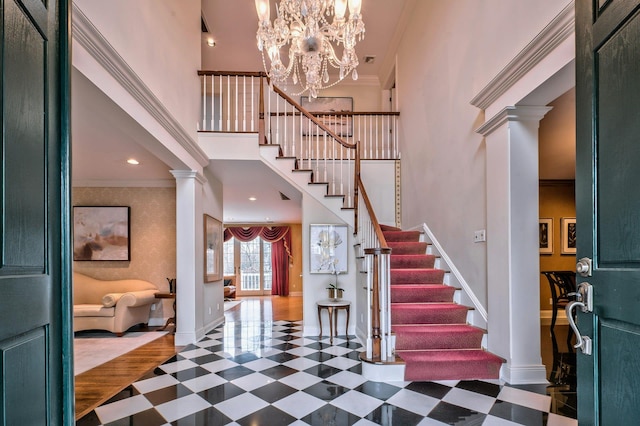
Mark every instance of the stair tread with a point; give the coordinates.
(431, 305)
(449, 355)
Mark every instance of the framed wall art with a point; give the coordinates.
(341, 125)
(568, 234)
(101, 233)
(546, 235)
(328, 249)
(213, 240)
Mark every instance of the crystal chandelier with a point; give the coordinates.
(314, 29)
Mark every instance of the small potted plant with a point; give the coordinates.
(335, 292)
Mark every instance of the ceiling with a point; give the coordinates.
(104, 136)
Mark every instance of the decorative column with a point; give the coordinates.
(513, 268)
(189, 277)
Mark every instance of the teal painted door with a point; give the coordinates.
(36, 376)
(608, 207)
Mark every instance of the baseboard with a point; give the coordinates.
(524, 374)
(545, 318)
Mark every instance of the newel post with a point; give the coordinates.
(377, 282)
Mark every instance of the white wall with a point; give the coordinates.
(160, 41)
(365, 94)
(443, 159)
(211, 294)
(314, 288)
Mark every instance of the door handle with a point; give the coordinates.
(584, 300)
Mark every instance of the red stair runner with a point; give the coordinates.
(432, 335)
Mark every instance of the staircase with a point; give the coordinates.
(432, 334)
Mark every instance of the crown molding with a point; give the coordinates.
(558, 30)
(189, 174)
(112, 183)
(87, 35)
(513, 113)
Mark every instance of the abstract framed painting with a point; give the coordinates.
(213, 240)
(325, 109)
(328, 249)
(101, 233)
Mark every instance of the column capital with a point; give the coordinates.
(188, 174)
(513, 113)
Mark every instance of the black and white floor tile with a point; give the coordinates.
(267, 373)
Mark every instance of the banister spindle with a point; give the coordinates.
(213, 103)
(220, 106)
(237, 101)
(204, 102)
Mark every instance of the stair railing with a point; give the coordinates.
(317, 145)
(231, 101)
(331, 146)
(380, 344)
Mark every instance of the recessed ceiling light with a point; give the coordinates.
(252, 198)
(211, 42)
(133, 161)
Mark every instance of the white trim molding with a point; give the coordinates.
(452, 267)
(513, 113)
(88, 36)
(556, 32)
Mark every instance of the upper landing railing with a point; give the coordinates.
(231, 103)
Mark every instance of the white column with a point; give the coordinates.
(513, 267)
(189, 278)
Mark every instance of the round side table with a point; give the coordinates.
(333, 306)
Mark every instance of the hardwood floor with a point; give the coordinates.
(97, 385)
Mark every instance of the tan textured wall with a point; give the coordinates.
(153, 233)
(295, 271)
(557, 200)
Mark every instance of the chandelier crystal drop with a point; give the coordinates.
(314, 30)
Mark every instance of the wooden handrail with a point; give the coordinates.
(234, 73)
(355, 113)
(314, 119)
(372, 215)
(346, 113)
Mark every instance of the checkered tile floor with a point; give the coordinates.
(266, 373)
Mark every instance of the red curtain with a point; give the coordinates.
(280, 239)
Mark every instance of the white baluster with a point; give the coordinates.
(253, 111)
(213, 90)
(220, 102)
(377, 139)
(278, 120)
(244, 103)
(325, 157)
(237, 100)
(204, 102)
(228, 104)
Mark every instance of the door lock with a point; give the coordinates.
(583, 267)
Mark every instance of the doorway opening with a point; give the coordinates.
(250, 263)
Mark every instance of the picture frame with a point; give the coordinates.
(328, 252)
(546, 235)
(213, 240)
(568, 235)
(101, 233)
(341, 125)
